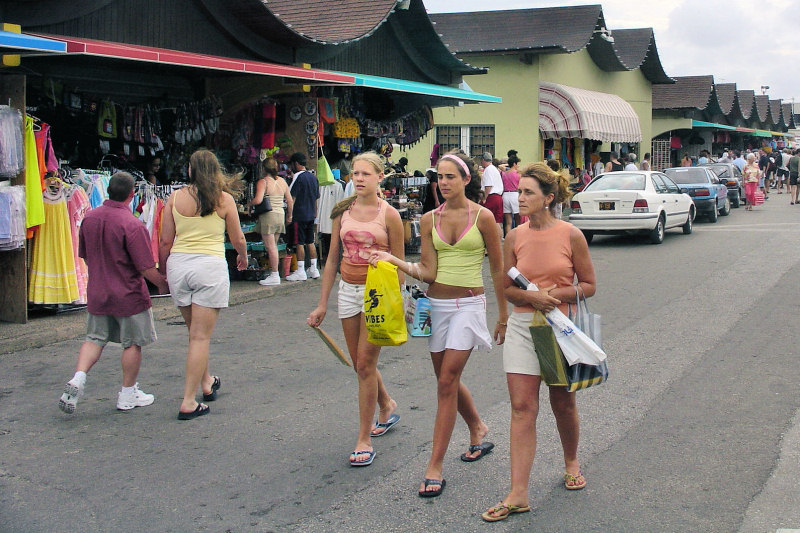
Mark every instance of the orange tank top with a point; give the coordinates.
(545, 257)
(359, 240)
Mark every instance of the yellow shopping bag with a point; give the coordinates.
(383, 306)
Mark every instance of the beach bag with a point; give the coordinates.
(581, 376)
(383, 306)
(552, 364)
(418, 314)
(586, 321)
(324, 173)
(107, 120)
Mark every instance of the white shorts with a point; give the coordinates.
(351, 299)
(200, 279)
(458, 324)
(519, 355)
(511, 202)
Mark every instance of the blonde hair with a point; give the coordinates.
(377, 164)
(550, 182)
(210, 181)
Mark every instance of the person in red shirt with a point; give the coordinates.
(116, 248)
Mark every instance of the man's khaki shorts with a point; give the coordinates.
(136, 330)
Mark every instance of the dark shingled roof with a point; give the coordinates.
(746, 99)
(762, 107)
(726, 94)
(775, 111)
(788, 116)
(328, 22)
(688, 92)
(563, 29)
(632, 46)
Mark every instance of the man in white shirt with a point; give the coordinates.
(631, 162)
(492, 184)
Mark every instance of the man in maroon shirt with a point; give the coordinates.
(116, 247)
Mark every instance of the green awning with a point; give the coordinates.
(430, 89)
(701, 124)
(762, 133)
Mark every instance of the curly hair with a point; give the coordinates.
(550, 182)
(472, 190)
(210, 181)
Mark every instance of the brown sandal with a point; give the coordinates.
(574, 482)
(505, 509)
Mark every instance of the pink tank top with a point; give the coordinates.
(359, 240)
(545, 257)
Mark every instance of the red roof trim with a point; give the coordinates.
(134, 52)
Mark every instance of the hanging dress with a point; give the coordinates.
(77, 206)
(52, 275)
(34, 206)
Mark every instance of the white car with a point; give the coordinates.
(632, 202)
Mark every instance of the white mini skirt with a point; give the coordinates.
(459, 324)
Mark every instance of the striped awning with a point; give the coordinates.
(571, 112)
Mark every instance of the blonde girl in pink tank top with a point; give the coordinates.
(551, 253)
(368, 221)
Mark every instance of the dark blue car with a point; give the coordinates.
(710, 195)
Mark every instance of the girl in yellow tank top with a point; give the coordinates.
(454, 239)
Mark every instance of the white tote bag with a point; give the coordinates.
(588, 322)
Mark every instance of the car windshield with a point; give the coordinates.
(687, 175)
(617, 181)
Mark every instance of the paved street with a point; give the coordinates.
(698, 428)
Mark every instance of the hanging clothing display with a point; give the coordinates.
(12, 217)
(12, 153)
(329, 196)
(34, 206)
(48, 162)
(52, 275)
(77, 207)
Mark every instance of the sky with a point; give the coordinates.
(699, 37)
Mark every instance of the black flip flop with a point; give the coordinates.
(485, 448)
(200, 410)
(432, 493)
(214, 388)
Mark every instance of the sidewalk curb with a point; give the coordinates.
(43, 331)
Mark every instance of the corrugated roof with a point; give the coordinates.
(566, 29)
(726, 94)
(746, 98)
(775, 111)
(688, 92)
(332, 22)
(788, 115)
(762, 107)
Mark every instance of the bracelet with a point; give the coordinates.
(502, 323)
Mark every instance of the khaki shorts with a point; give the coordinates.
(271, 222)
(519, 355)
(136, 330)
(200, 279)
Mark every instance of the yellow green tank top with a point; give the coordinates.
(199, 235)
(459, 264)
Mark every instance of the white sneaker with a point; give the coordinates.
(73, 391)
(297, 275)
(312, 272)
(137, 398)
(272, 279)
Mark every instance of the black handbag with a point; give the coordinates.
(264, 207)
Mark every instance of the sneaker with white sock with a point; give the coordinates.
(297, 275)
(272, 279)
(136, 398)
(312, 272)
(73, 391)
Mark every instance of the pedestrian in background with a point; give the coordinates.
(454, 238)
(631, 164)
(553, 254)
(492, 184)
(305, 191)
(646, 161)
(433, 197)
(614, 164)
(363, 224)
(192, 249)
(116, 247)
(751, 175)
(272, 223)
(510, 204)
(793, 165)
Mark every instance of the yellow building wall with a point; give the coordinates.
(663, 122)
(516, 119)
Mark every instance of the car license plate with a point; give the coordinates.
(606, 206)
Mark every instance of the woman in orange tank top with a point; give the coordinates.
(551, 253)
(364, 223)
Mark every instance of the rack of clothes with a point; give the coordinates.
(12, 152)
(12, 217)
